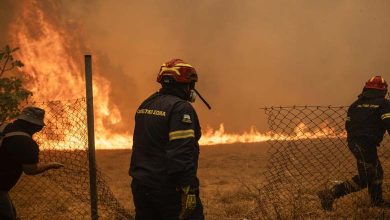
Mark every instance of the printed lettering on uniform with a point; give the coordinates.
(368, 106)
(186, 119)
(151, 112)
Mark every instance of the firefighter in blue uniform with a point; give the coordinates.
(367, 121)
(164, 159)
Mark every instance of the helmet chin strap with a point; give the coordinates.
(201, 98)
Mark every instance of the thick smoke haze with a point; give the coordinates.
(248, 54)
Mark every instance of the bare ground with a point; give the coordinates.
(225, 171)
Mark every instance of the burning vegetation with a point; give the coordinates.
(52, 50)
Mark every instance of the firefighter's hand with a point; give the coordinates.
(188, 202)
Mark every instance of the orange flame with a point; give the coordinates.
(301, 132)
(214, 137)
(52, 63)
(51, 66)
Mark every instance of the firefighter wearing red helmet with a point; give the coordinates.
(164, 159)
(367, 120)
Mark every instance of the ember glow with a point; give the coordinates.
(53, 64)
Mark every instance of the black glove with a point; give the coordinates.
(188, 201)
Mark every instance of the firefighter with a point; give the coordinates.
(19, 153)
(367, 121)
(164, 160)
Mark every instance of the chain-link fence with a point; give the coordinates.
(64, 193)
(309, 153)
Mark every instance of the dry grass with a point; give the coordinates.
(224, 171)
(230, 177)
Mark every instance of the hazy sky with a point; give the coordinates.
(248, 53)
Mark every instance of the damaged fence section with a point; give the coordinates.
(317, 157)
(64, 193)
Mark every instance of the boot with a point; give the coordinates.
(375, 191)
(327, 198)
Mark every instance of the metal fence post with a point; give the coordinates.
(91, 138)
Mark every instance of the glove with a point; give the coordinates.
(188, 202)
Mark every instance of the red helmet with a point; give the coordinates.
(178, 70)
(376, 82)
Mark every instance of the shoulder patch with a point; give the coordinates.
(186, 119)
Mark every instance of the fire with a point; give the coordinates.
(214, 137)
(301, 132)
(53, 65)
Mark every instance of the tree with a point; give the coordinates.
(12, 92)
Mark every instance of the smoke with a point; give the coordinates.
(7, 10)
(248, 54)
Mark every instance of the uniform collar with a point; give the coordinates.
(372, 94)
(173, 91)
